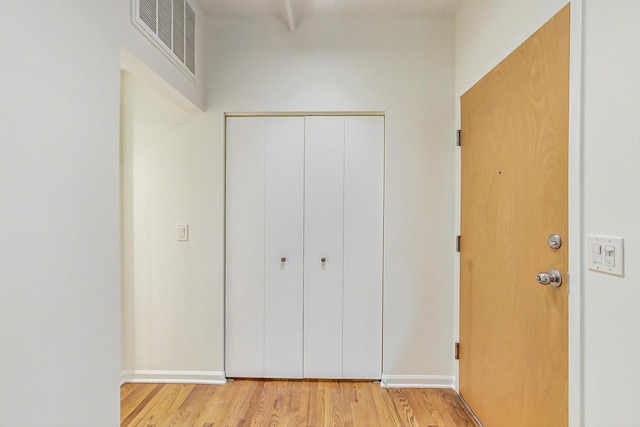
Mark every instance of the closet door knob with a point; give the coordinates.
(283, 260)
(323, 260)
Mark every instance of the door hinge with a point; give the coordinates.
(458, 142)
(457, 243)
(457, 351)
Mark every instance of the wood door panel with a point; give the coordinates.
(513, 331)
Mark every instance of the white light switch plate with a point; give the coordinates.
(183, 232)
(606, 254)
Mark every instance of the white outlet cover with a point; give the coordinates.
(598, 261)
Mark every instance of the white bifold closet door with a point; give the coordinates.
(264, 256)
(304, 247)
(344, 167)
(323, 246)
(363, 247)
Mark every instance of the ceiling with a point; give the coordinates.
(330, 7)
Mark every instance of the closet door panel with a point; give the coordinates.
(363, 234)
(284, 203)
(324, 166)
(245, 247)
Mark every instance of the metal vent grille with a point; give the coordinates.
(165, 21)
(147, 13)
(178, 29)
(190, 39)
(171, 26)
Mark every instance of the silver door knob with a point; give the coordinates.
(553, 278)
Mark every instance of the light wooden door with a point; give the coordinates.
(513, 331)
(264, 260)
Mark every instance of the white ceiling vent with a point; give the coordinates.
(171, 26)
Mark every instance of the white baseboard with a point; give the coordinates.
(418, 381)
(174, 377)
(216, 377)
(124, 376)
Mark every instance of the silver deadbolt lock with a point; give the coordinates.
(554, 241)
(553, 278)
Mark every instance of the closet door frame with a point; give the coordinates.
(303, 115)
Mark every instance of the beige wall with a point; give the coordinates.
(488, 30)
(168, 292)
(400, 65)
(403, 66)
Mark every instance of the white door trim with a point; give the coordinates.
(575, 214)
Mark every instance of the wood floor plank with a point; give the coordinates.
(192, 406)
(315, 415)
(426, 403)
(126, 390)
(258, 411)
(160, 406)
(235, 406)
(283, 414)
(138, 402)
(386, 408)
(363, 408)
(403, 407)
(282, 403)
(174, 404)
(340, 410)
(300, 398)
(132, 395)
(215, 403)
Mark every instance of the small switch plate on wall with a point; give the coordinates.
(183, 232)
(606, 254)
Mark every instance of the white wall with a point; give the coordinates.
(59, 246)
(403, 66)
(166, 77)
(489, 30)
(167, 287)
(612, 207)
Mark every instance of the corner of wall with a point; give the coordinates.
(131, 64)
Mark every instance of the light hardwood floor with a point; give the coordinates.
(277, 403)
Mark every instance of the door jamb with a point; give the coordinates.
(576, 392)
